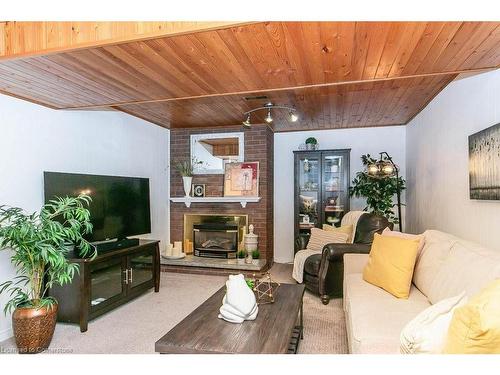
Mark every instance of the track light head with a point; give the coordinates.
(269, 118)
(246, 123)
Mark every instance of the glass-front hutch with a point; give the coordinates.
(321, 188)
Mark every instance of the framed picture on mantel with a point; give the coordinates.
(241, 179)
(484, 164)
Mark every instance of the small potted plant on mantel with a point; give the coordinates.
(185, 169)
(39, 243)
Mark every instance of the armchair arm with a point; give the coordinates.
(301, 242)
(334, 253)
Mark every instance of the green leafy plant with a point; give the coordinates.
(255, 254)
(311, 141)
(186, 167)
(241, 254)
(379, 192)
(250, 283)
(39, 244)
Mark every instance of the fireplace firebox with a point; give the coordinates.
(215, 240)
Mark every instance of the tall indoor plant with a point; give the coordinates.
(39, 243)
(379, 192)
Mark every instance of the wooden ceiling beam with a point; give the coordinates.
(27, 39)
(280, 89)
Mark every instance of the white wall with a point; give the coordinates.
(34, 138)
(360, 141)
(437, 161)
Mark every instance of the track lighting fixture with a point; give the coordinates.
(247, 123)
(269, 118)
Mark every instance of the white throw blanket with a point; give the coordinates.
(299, 261)
(351, 218)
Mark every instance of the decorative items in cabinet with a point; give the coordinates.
(321, 188)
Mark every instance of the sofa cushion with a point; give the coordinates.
(311, 266)
(436, 248)
(375, 318)
(468, 267)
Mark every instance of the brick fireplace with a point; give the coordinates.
(258, 147)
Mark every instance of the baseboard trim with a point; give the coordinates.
(6, 334)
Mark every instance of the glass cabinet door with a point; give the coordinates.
(107, 282)
(334, 188)
(141, 269)
(309, 190)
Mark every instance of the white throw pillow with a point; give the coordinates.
(426, 333)
(319, 238)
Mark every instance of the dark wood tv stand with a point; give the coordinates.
(108, 281)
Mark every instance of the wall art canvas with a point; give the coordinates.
(241, 179)
(484, 164)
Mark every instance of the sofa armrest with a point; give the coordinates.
(354, 263)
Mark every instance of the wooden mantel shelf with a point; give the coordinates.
(188, 200)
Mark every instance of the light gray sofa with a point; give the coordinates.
(445, 267)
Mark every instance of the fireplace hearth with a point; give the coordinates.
(216, 240)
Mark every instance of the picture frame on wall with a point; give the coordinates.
(484, 164)
(241, 179)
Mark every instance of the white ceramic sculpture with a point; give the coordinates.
(239, 303)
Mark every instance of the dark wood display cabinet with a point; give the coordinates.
(321, 188)
(108, 281)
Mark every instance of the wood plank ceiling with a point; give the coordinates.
(336, 74)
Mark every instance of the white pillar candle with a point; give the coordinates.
(170, 249)
(177, 248)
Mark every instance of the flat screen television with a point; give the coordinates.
(120, 205)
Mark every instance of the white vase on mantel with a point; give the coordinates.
(187, 184)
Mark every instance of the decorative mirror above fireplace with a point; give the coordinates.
(216, 149)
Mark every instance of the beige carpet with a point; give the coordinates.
(134, 327)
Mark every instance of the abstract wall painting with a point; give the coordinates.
(241, 179)
(484, 164)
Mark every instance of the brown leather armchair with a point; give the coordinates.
(323, 273)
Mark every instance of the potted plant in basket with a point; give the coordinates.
(185, 169)
(39, 243)
(311, 143)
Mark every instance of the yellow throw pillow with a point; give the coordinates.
(390, 264)
(347, 229)
(475, 327)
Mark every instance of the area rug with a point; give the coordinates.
(137, 325)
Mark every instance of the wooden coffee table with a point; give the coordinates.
(277, 329)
